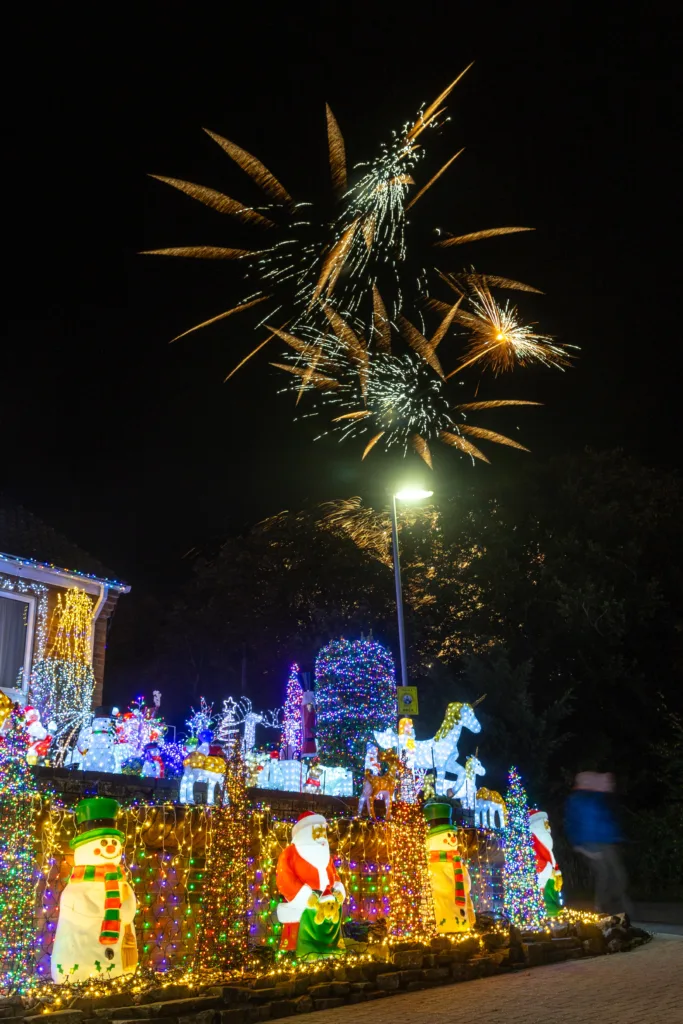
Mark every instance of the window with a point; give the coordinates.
(15, 636)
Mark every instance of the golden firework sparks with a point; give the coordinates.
(354, 303)
(499, 340)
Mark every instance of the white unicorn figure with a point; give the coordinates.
(441, 752)
(467, 794)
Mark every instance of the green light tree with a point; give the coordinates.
(355, 690)
(522, 899)
(17, 867)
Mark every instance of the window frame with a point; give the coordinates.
(30, 600)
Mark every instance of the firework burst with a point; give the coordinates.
(344, 297)
(499, 341)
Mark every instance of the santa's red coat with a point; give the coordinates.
(543, 854)
(293, 872)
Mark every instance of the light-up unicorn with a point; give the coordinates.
(441, 752)
(467, 794)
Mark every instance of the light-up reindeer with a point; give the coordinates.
(268, 719)
(377, 787)
(241, 713)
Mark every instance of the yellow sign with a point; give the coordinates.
(407, 700)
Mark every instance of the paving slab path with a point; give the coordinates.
(644, 986)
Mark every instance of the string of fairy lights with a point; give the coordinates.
(190, 864)
(204, 877)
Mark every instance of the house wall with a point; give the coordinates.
(100, 645)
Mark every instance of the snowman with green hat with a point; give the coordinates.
(95, 935)
(448, 874)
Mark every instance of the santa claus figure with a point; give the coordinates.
(549, 876)
(39, 737)
(308, 880)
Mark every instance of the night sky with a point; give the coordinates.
(136, 449)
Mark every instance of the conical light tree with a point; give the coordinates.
(292, 724)
(523, 900)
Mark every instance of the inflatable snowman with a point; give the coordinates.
(95, 935)
(153, 765)
(448, 874)
(99, 756)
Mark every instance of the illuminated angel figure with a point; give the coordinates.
(348, 292)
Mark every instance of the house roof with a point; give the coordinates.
(28, 540)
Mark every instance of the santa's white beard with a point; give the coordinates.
(317, 854)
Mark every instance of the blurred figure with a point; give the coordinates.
(593, 832)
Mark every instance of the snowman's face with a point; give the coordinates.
(443, 841)
(106, 849)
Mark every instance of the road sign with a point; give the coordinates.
(407, 700)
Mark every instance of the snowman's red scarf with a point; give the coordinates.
(450, 856)
(111, 876)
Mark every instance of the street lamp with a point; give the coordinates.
(408, 494)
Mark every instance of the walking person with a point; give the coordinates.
(593, 832)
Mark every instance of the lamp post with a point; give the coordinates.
(408, 494)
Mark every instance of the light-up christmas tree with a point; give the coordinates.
(355, 689)
(229, 729)
(411, 901)
(290, 742)
(17, 867)
(523, 899)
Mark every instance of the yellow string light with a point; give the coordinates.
(73, 616)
